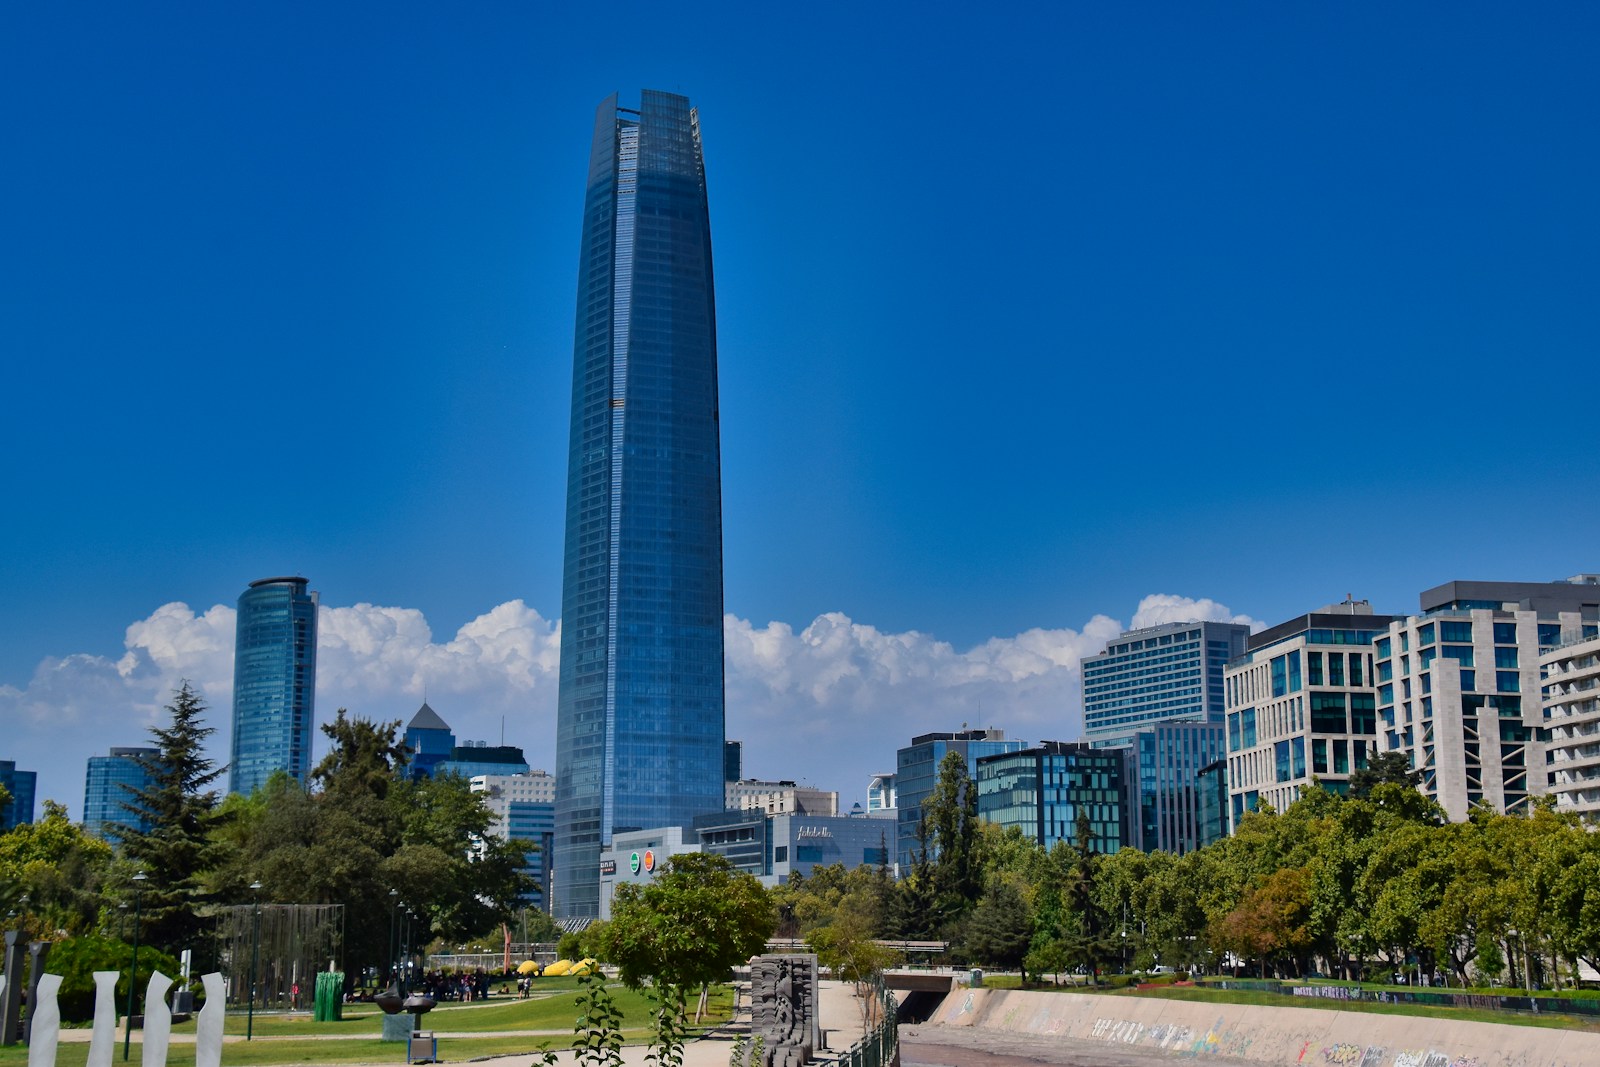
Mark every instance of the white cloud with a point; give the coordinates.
(829, 703)
(1159, 608)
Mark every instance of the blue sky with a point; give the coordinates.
(1026, 315)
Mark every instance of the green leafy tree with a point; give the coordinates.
(60, 869)
(689, 927)
(952, 814)
(178, 848)
(1393, 768)
(849, 947)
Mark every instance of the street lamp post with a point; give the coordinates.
(133, 975)
(255, 961)
(394, 935)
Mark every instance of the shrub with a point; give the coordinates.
(77, 958)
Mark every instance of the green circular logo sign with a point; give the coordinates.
(633, 863)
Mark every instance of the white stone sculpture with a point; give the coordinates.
(157, 1020)
(208, 1031)
(44, 1016)
(104, 1041)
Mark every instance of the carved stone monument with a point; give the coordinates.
(104, 1040)
(43, 1010)
(783, 1009)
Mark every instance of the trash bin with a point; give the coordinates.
(975, 979)
(422, 1045)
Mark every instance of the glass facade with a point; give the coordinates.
(1041, 791)
(274, 681)
(640, 729)
(1160, 674)
(108, 789)
(22, 785)
(917, 771)
(1171, 755)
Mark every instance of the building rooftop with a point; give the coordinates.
(426, 719)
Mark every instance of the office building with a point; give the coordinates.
(1161, 673)
(1301, 704)
(917, 772)
(778, 798)
(732, 761)
(109, 789)
(22, 786)
(640, 726)
(1572, 715)
(1460, 693)
(1042, 790)
(1213, 786)
(274, 681)
(636, 857)
(479, 757)
(1164, 793)
(430, 741)
(523, 807)
(880, 793)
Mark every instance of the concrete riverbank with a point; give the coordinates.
(1153, 1029)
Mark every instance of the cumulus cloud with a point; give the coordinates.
(829, 703)
(1159, 608)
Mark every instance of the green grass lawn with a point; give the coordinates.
(296, 1039)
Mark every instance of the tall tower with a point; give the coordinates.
(274, 679)
(639, 734)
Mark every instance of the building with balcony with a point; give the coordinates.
(1572, 715)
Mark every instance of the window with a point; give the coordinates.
(1425, 634)
(1462, 654)
(1383, 648)
(1314, 667)
(1328, 713)
(1335, 668)
(1280, 760)
(1385, 670)
(1294, 672)
(780, 854)
(1355, 669)
(1505, 658)
(1363, 714)
(1505, 633)
(1455, 631)
(1386, 694)
(1280, 675)
(1341, 757)
(1507, 682)
(1319, 755)
(1469, 681)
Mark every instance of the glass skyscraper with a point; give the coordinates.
(274, 679)
(639, 734)
(109, 788)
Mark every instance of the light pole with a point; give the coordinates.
(122, 919)
(133, 975)
(255, 961)
(394, 935)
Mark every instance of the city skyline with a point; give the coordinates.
(1024, 318)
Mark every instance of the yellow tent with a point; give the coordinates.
(586, 966)
(527, 967)
(559, 967)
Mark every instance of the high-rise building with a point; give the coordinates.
(274, 680)
(1161, 673)
(430, 741)
(640, 726)
(1301, 706)
(1164, 797)
(1572, 712)
(523, 806)
(1460, 687)
(22, 785)
(109, 788)
(1042, 790)
(880, 793)
(917, 773)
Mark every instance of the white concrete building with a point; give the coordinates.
(501, 790)
(780, 798)
(1460, 692)
(1572, 716)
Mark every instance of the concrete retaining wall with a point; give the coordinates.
(1315, 1037)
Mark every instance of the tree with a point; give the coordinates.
(1390, 767)
(60, 868)
(689, 927)
(1000, 929)
(952, 814)
(847, 945)
(178, 849)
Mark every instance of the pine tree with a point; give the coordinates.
(178, 849)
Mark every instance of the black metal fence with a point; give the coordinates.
(881, 1047)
